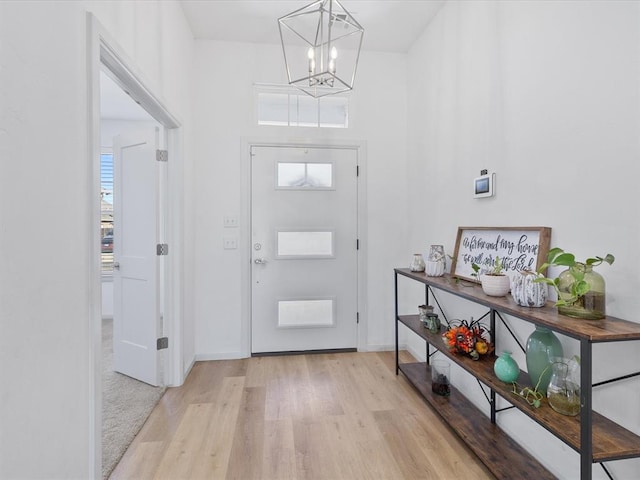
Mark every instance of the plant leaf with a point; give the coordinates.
(553, 253)
(543, 267)
(577, 273)
(565, 259)
(581, 288)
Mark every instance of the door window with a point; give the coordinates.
(305, 313)
(301, 245)
(302, 175)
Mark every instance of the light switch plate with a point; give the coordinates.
(230, 221)
(230, 243)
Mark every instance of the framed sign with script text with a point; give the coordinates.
(519, 248)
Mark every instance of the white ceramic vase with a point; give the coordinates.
(434, 269)
(436, 261)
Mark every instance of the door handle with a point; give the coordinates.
(116, 265)
(260, 261)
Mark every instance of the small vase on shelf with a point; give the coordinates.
(506, 368)
(417, 264)
(542, 348)
(436, 261)
(563, 392)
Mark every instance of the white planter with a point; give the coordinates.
(495, 285)
(434, 269)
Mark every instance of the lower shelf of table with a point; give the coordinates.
(501, 454)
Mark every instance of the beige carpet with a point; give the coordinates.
(126, 404)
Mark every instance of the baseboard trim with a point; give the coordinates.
(205, 357)
(304, 352)
(380, 348)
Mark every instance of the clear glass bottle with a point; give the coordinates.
(563, 392)
(590, 306)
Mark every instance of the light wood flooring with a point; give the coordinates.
(323, 416)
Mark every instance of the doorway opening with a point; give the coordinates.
(127, 400)
(163, 310)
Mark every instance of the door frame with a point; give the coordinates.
(360, 148)
(104, 51)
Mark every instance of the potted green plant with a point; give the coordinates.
(581, 290)
(495, 282)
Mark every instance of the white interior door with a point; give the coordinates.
(136, 313)
(304, 232)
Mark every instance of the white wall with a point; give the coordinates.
(545, 94)
(224, 115)
(45, 299)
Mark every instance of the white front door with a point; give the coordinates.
(136, 312)
(304, 231)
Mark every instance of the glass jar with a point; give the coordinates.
(432, 322)
(563, 392)
(590, 306)
(436, 261)
(440, 378)
(417, 264)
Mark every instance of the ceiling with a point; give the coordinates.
(389, 25)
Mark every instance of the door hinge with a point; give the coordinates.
(357, 317)
(357, 170)
(162, 343)
(162, 155)
(162, 249)
(357, 244)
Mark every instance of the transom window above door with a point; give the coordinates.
(292, 108)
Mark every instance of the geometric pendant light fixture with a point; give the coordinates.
(321, 45)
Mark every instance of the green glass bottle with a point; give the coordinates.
(542, 348)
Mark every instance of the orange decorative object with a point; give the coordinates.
(467, 338)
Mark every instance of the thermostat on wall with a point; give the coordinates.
(483, 186)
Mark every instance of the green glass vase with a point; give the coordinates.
(590, 306)
(506, 368)
(543, 347)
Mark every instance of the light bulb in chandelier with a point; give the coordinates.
(312, 62)
(332, 61)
